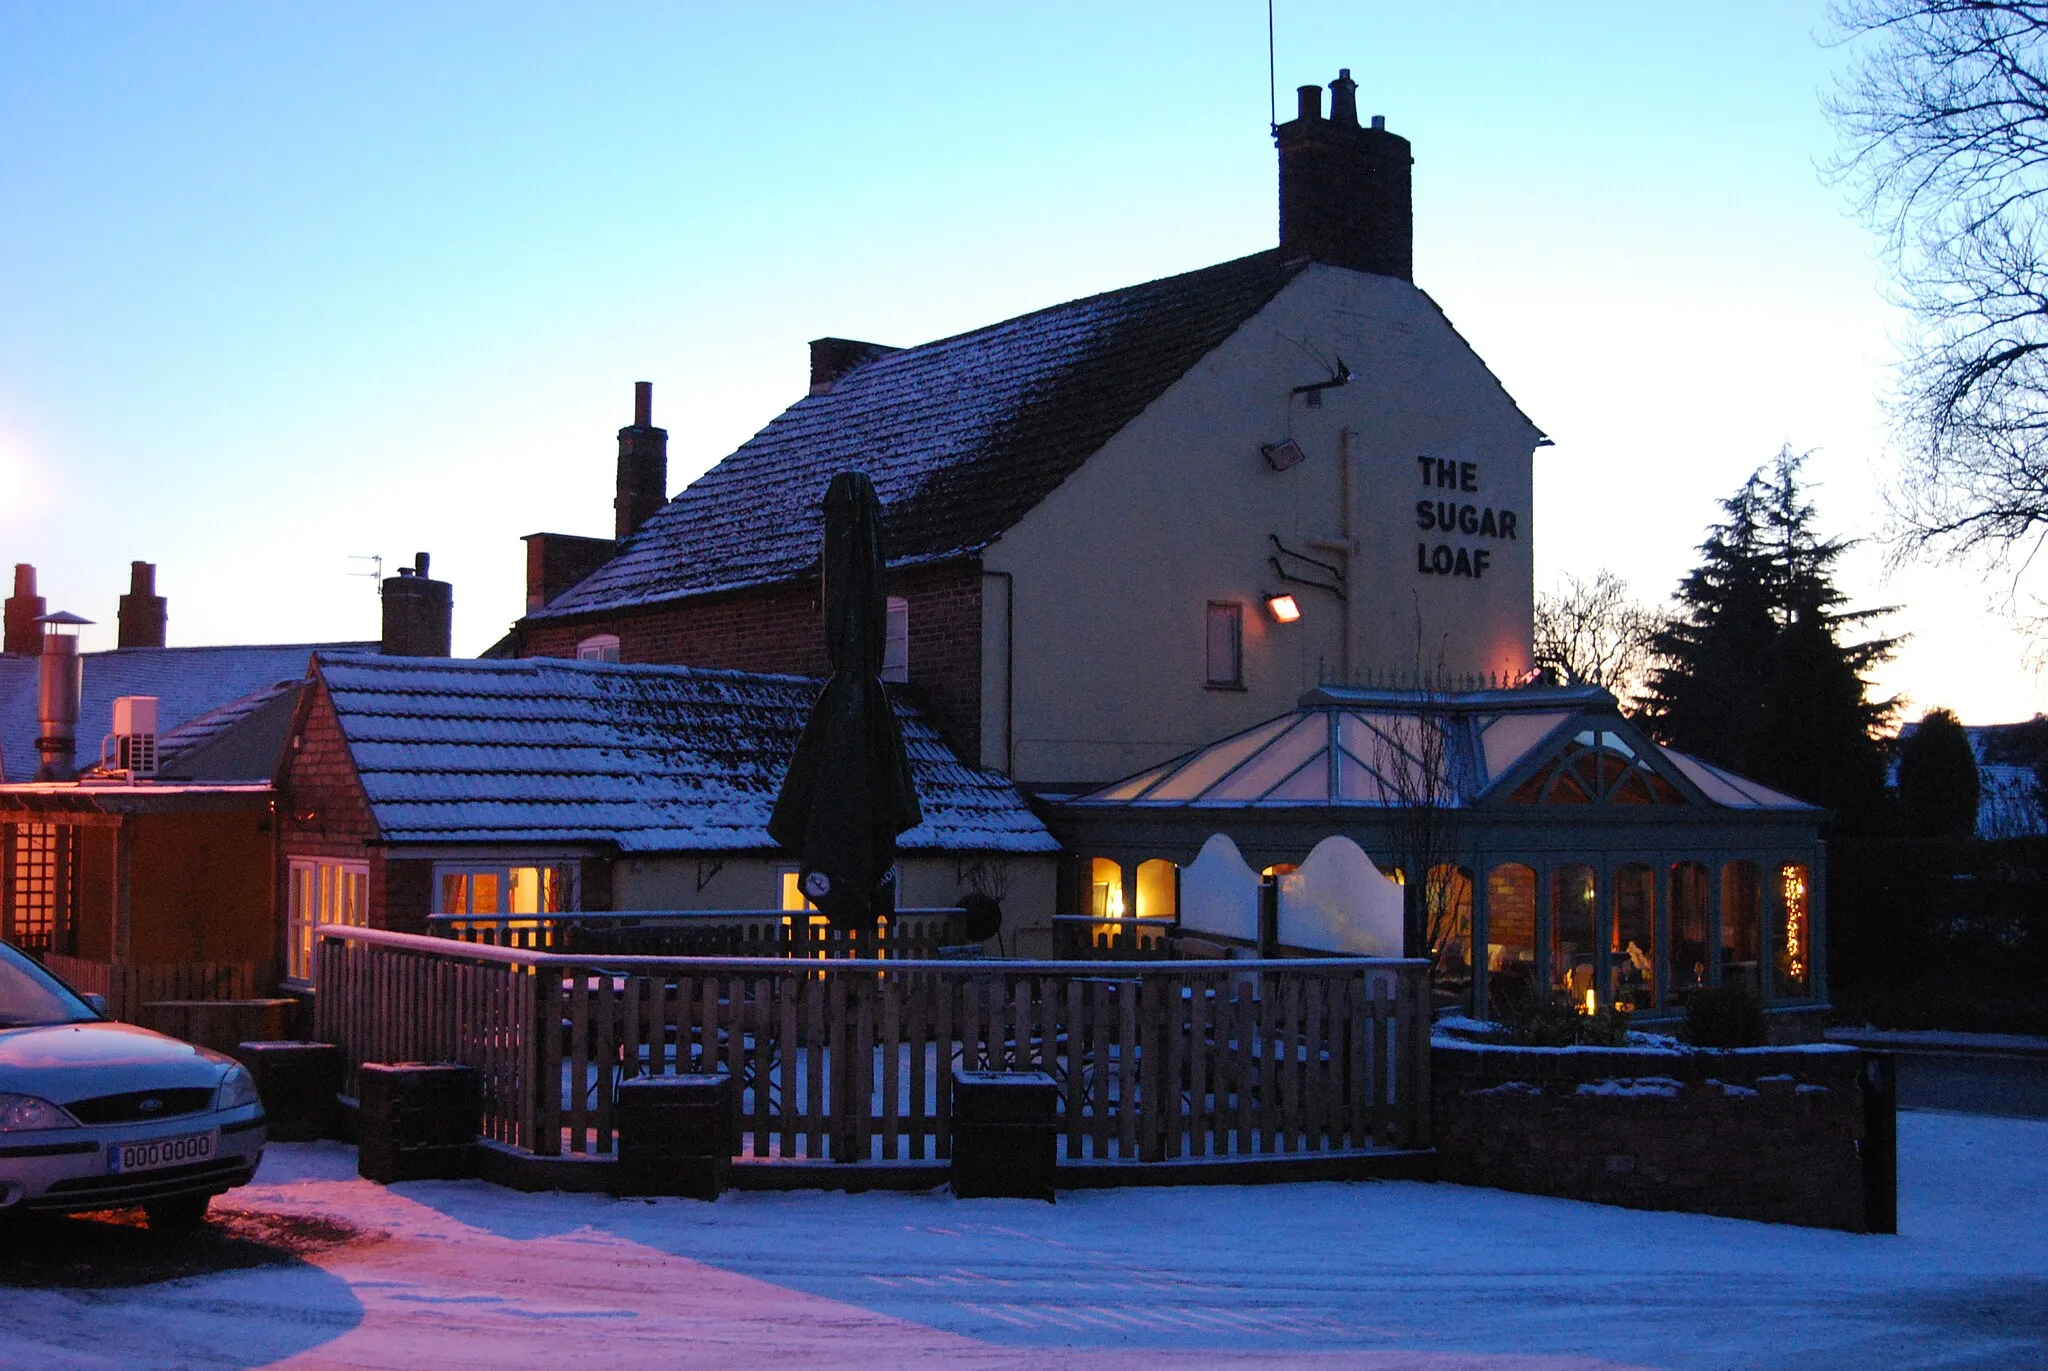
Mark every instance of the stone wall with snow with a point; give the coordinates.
(1754, 1133)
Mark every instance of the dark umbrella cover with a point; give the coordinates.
(849, 792)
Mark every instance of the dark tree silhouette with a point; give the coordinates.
(1754, 673)
(1938, 787)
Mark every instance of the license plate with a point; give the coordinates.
(158, 1153)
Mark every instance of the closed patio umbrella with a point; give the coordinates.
(848, 792)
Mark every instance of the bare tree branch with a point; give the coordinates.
(1943, 117)
(1595, 633)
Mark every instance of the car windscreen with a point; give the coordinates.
(29, 995)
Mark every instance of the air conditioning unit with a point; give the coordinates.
(133, 739)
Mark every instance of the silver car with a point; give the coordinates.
(100, 1115)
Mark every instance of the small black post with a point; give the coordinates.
(1005, 1134)
(1269, 916)
(298, 1083)
(418, 1121)
(1880, 1146)
(677, 1135)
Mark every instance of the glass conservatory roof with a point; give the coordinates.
(1556, 745)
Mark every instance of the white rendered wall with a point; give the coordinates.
(1114, 570)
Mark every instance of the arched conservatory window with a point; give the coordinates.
(1105, 889)
(1571, 931)
(1510, 933)
(1447, 896)
(1158, 880)
(1688, 962)
(1742, 909)
(1632, 958)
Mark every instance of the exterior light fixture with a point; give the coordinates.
(1284, 608)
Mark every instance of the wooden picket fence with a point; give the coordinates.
(128, 987)
(851, 1061)
(1084, 937)
(908, 933)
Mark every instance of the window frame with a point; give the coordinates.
(302, 929)
(1229, 613)
(596, 646)
(571, 884)
(895, 642)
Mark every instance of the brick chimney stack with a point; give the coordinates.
(419, 613)
(23, 635)
(1345, 192)
(140, 622)
(643, 466)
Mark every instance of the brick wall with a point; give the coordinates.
(322, 809)
(778, 628)
(1763, 1133)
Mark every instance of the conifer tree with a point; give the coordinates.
(1938, 783)
(1755, 674)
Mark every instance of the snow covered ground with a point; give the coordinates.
(1377, 1275)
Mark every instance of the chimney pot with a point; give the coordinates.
(21, 634)
(419, 564)
(1308, 102)
(1344, 100)
(642, 487)
(142, 612)
(1379, 123)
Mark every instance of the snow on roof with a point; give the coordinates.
(188, 682)
(652, 758)
(961, 437)
(1347, 747)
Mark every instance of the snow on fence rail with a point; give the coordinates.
(851, 1060)
(705, 933)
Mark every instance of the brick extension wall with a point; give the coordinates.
(779, 628)
(324, 813)
(1757, 1133)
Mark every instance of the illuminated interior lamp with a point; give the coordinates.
(1284, 608)
(1113, 906)
(1592, 1006)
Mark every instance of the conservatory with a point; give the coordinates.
(1556, 845)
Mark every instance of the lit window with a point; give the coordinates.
(602, 647)
(322, 893)
(495, 890)
(792, 894)
(1158, 889)
(1795, 946)
(896, 644)
(1226, 645)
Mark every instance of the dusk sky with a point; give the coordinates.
(283, 284)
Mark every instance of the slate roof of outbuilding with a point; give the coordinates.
(188, 682)
(651, 758)
(961, 437)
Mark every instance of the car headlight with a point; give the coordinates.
(237, 1088)
(26, 1113)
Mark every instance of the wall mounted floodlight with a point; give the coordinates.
(1283, 454)
(1284, 608)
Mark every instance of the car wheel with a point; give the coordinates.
(181, 1215)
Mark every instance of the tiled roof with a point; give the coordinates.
(187, 681)
(654, 759)
(961, 437)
